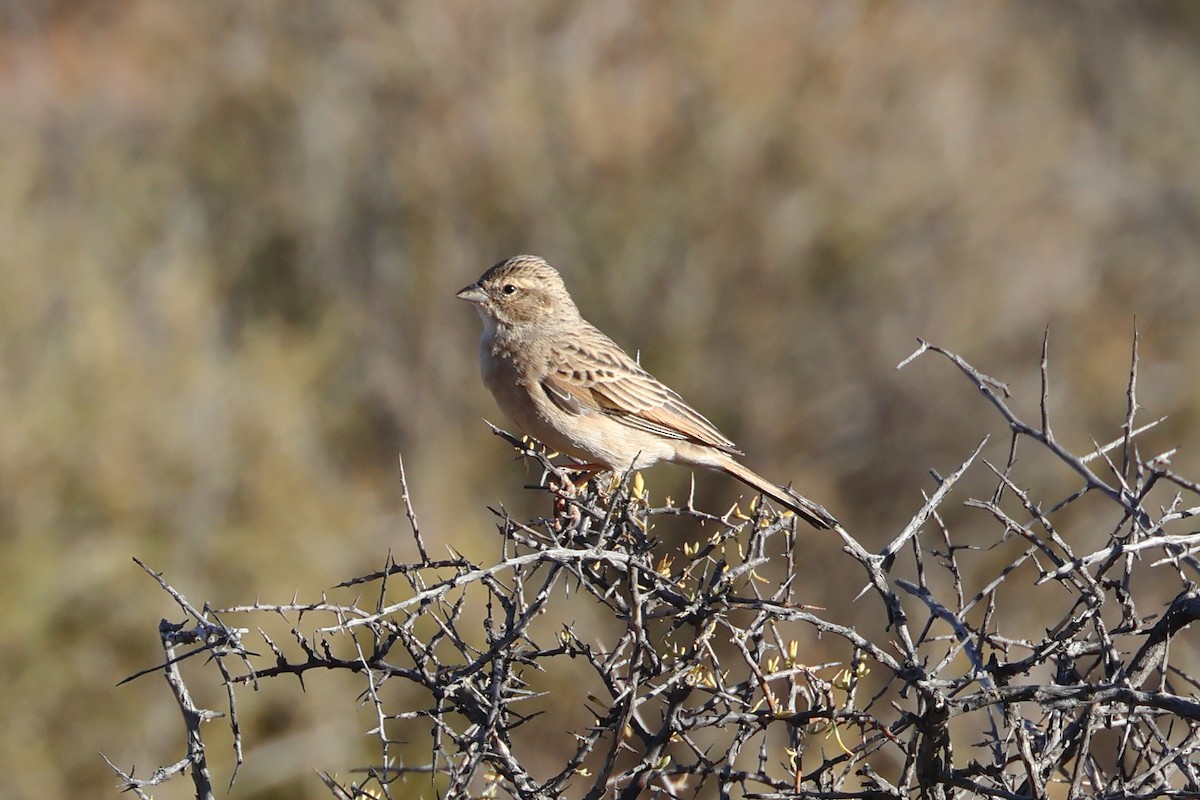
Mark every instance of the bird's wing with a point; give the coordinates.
(590, 372)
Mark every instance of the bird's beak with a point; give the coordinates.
(472, 294)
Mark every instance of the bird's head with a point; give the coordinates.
(521, 292)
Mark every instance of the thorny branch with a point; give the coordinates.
(696, 686)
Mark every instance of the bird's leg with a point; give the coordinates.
(586, 473)
(576, 488)
(566, 513)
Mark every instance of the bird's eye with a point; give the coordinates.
(509, 288)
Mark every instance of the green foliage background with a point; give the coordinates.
(230, 235)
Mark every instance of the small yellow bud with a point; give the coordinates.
(639, 487)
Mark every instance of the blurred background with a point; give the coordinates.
(231, 234)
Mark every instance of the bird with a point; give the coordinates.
(562, 381)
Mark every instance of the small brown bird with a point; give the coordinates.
(568, 385)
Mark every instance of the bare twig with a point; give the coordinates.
(693, 665)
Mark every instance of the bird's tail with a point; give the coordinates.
(813, 513)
